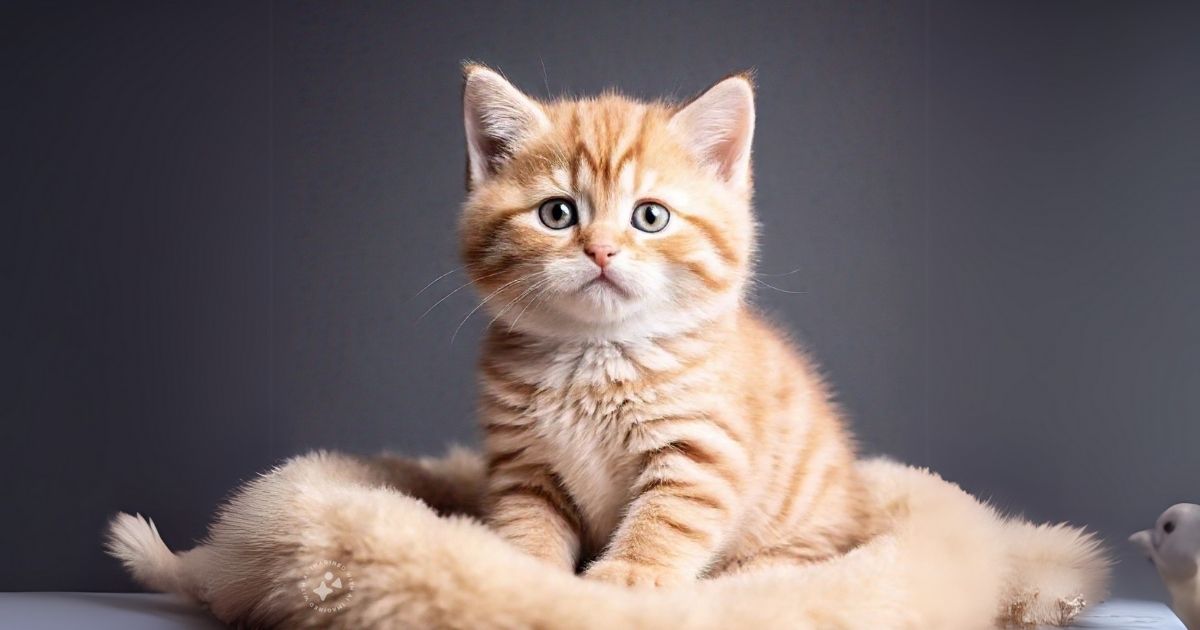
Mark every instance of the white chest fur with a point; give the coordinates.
(587, 401)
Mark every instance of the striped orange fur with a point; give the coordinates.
(641, 421)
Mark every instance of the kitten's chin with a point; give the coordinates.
(600, 303)
(571, 318)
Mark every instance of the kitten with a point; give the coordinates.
(636, 410)
(637, 413)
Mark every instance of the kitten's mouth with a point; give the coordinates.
(602, 282)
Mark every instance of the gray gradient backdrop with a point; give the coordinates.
(216, 218)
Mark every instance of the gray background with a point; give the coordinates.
(216, 218)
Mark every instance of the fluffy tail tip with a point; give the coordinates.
(134, 541)
(1057, 571)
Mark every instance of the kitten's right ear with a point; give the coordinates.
(498, 119)
(718, 126)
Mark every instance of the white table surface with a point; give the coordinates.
(145, 611)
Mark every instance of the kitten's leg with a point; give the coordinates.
(841, 521)
(529, 507)
(686, 503)
(790, 555)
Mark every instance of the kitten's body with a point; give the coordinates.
(637, 410)
(751, 457)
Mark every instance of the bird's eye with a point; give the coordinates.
(650, 217)
(558, 213)
(1169, 527)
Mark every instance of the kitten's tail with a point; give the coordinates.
(134, 540)
(943, 561)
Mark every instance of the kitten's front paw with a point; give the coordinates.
(630, 574)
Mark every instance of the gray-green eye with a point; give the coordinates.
(558, 213)
(650, 217)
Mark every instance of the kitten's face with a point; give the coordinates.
(607, 218)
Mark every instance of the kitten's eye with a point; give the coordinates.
(558, 214)
(650, 217)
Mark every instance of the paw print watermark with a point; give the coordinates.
(327, 586)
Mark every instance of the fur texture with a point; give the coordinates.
(640, 420)
(941, 560)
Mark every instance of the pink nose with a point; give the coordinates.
(601, 254)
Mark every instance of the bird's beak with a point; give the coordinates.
(1143, 541)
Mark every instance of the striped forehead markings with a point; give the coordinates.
(603, 159)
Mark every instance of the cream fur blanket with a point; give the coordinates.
(401, 540)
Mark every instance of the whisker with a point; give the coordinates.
(501, 312)
(545, 77)
(435, 281)
(770, 286)
(533, 287)
(535, 300)
(779, 275)
(485, 301)
(460, 288)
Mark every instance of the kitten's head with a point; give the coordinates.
(607, 217)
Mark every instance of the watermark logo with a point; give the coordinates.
(327, 586)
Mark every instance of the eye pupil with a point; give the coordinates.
(557, 214)
(1168, 527)
(650, 217)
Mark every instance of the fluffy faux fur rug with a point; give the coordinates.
(394, 543)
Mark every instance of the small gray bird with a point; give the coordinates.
(1174, 548)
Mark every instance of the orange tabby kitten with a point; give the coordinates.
(636, 410)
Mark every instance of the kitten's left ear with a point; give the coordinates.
(498, 118)
(718, 127)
